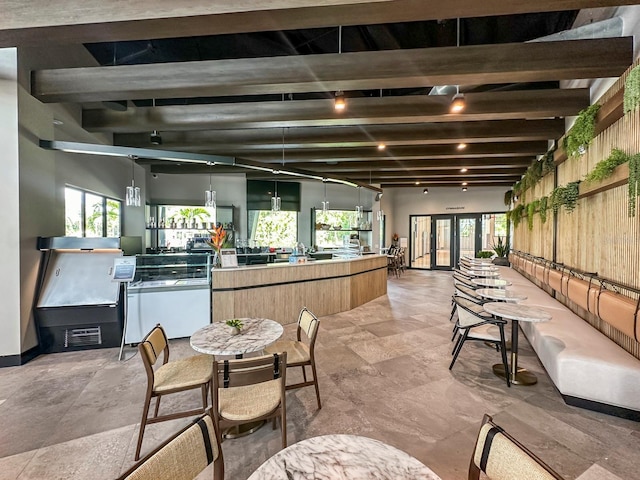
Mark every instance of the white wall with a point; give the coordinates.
(439, 200)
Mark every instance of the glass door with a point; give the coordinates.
(469, 236)
(420, 246)
(442, 243)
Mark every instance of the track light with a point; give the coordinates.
(155, 138)
(457, 103)
(339, 103)
(425, 191)
(464, 189)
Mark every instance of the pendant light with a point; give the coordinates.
(359, 209)
(132, 194)
(458, 102)
(325, 202)
(339, 102)
(276, 201)
(210, 195)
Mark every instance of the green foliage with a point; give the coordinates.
(531, 210)
(516, 214)
(634, 183)
(632, 90)
(566, 197)
(235, 323)
(502, 247)
(194, 212)
(508, 195)
(517, 188)
(542, 208)
(547, 163)
(484, 254)
(604, 168)
(577, 140)
(534, 173)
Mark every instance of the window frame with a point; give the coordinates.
(83, 211)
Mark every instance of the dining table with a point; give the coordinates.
(516, 313)
(342, 457)
(480, 273)
(501, 295)
(491, 282)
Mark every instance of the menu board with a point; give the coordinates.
(228, 257)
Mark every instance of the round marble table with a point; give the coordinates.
(491, 282)
(516, 313)
(481, 273)
(256, 334)
(342, 457)
(501, 295)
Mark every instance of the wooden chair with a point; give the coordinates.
(475, 324)
(183, 456)
(177, 376)
(501, 457)
(299, 353)
(249, 390)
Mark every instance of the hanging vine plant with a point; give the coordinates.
(548, 165)
(632, 90)
(542, 208)
(634, 183)
(516, 215)
(577, 140)
(531, 210)
(604, 168)
(508, 195)
(566, 197)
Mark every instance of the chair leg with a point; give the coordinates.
(453, 311)
(304, 373)
(503, 349)
(143, 424)
(283, 427)
(454, 331)
(456, 352)
(155, 412)
(315, 383)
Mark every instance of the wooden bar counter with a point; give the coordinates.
(278, 291)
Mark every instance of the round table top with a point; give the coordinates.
(256, 334)
(523, 313)
(481, 273)
(501, 294)
(342, 457)
(491, 282)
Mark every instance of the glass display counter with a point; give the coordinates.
(170, 289)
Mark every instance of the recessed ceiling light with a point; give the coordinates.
(461, 146)
(457, 103)
(463, 170)
(464, 189)
(339, 103)
(57, 122)
(381, 146)
(417, 183)
(464, 184)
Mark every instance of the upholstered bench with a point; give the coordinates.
(588, 369)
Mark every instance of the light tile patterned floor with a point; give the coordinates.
(383, 372)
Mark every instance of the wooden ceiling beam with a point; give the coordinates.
(517, 163)
(41, 22)
(484, 183)
(507, 105)
(262, 140)
(414, 152)
(378, 177)
(422, 67)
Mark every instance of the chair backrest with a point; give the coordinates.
(308, 323)
(467, 317)
(152, 346)
(248, 371)
(183, 456)
(501, 457)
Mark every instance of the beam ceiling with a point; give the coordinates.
(420, 67)
(42, 22)
(481, 106)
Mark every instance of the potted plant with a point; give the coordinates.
(502, 248)
(235, 325)
(484, 254)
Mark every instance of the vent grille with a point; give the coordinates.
(78, 337)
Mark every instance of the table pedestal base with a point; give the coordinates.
(522, 377)
(242, 430)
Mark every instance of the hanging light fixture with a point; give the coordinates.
(325, 202)
(359, 209)
(132, 194)
(155, 137)
(276, 201)
(458, 103)
(339, 102)
(210, 195)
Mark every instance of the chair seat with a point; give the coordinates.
(183, 373)
(248, 402)
(484, 332)
(297, 352)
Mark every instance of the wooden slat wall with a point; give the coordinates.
(598, 236)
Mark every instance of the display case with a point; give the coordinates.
(332, 226)
(176, 228)
(170, 289)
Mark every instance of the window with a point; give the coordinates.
(91, 215)
(273, 229)
(494, 225)
(334, 228)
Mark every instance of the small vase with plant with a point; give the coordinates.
(216, 241)
(235, 326)
(502, 248)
